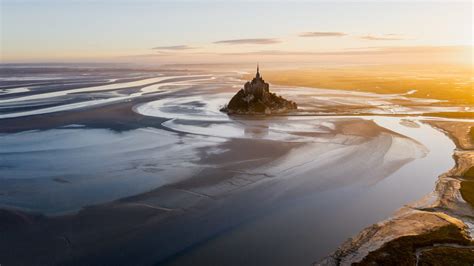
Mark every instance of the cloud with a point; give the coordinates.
(148, 55)
(272, 52)
(322, 34)
(358, 55)
(249, 41)
(303, 53)
(359, 51)
(385, 37)
(173, 47)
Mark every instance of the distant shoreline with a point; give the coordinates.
(451, 84)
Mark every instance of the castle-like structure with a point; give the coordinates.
(256, 98)
(257, 87)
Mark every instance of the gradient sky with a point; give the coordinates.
(215, 31)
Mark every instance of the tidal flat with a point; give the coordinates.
(95, 164)
(436, 230)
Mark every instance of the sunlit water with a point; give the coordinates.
(319, 194)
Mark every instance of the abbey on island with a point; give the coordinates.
(256, 98)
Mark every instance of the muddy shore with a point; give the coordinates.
(157, 175)
(436, 230)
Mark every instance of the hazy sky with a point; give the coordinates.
(194, 31)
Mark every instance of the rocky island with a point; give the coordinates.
(256, 98)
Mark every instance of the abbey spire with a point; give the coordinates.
(255, 98)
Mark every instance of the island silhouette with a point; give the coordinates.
(256, 98)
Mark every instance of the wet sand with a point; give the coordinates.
(437, 229)
(165, 178)
(233, 194)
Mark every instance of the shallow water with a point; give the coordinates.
(289, 210)
(62, 170)
(308, 223)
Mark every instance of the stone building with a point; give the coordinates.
(256, 98)
(257, 87)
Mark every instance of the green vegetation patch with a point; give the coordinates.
(447, 256)
(467, 186)
(402, 251)
(469, 174)
(467, 191)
